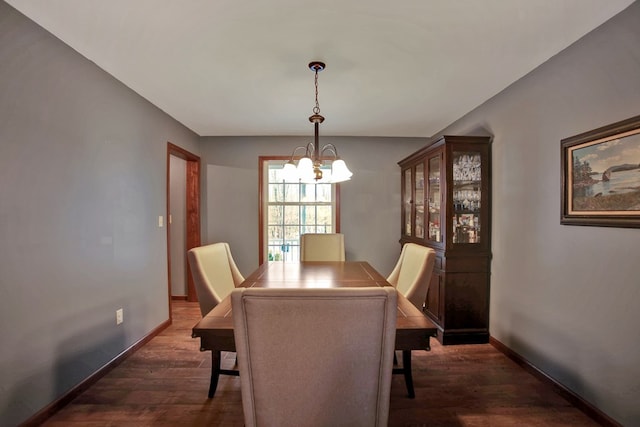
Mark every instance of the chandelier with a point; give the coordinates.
(309, 167)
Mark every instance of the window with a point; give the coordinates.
(289, 209)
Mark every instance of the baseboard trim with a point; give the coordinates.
(577, 401)
(48, 411)
(179, 298)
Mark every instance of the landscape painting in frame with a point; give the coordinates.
(601, 176)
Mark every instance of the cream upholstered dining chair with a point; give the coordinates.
(215, 275)
(322, 247)
(287, 375)
(412, 273)
(411, 277)
(214, 272)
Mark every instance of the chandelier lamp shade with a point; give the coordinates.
(309, 168)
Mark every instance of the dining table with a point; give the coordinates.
(413, 328)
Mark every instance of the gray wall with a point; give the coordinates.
(565, 297)
(82, 183)
(370, 201)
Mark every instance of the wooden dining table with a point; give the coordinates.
(413, 328)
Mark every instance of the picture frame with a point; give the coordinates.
(600, 172)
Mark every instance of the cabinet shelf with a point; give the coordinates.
(450, 179)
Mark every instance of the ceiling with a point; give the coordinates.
(236, 67)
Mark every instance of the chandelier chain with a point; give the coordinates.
(316, 109)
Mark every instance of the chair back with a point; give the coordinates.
(322, 247)
(412, 273)
(315, 356)
(214, 272)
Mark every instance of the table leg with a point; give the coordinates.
(408, 378)
(215, 372)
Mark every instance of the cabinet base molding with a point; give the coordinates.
(453, 338)
(461, 337)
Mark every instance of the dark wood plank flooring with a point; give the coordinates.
(165, 383)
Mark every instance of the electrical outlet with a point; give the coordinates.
(119, 316)
(160, 221)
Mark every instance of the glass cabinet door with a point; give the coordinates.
(419, 201)
(406, 203)
(434, 199)
(466, 197)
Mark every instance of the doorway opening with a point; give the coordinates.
(191, 217)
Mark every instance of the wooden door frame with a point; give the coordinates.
(192, 213)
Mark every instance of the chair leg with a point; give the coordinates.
(395, 359)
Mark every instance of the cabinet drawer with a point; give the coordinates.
(467, 264)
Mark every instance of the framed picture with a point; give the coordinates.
(601, 176)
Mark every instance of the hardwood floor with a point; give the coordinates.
(165, 383)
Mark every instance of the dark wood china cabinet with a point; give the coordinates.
(446, 205)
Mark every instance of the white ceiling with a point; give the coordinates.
(394, 68)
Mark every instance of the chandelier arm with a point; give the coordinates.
(330, 147)
(293, 154)
(311, 150)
